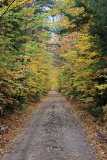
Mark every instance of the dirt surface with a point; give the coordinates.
(52, 134)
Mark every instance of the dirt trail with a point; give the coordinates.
(53, 134)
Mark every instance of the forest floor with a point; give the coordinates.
(54, 130)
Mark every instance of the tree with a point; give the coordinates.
(84, 74)
(23, 58)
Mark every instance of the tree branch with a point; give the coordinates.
(10, 6)
(7, 9)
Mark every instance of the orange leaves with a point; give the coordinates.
(102, 71)
(24, 59)
(105, 58)
(74, 48)
(22, 2)
(15, 3)
(67, 46)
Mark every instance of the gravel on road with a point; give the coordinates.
(52, 134)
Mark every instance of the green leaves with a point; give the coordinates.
(24, 60)
(82, 51)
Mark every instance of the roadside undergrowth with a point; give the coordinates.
(95, 130)
(16, 122)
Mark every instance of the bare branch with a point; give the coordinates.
(7, 9)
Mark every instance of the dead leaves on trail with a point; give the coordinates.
(16, 123)
(95, 130)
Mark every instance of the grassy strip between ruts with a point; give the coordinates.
(91, 126)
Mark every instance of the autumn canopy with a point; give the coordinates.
(63, 41)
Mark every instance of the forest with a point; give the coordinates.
(58, 41)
